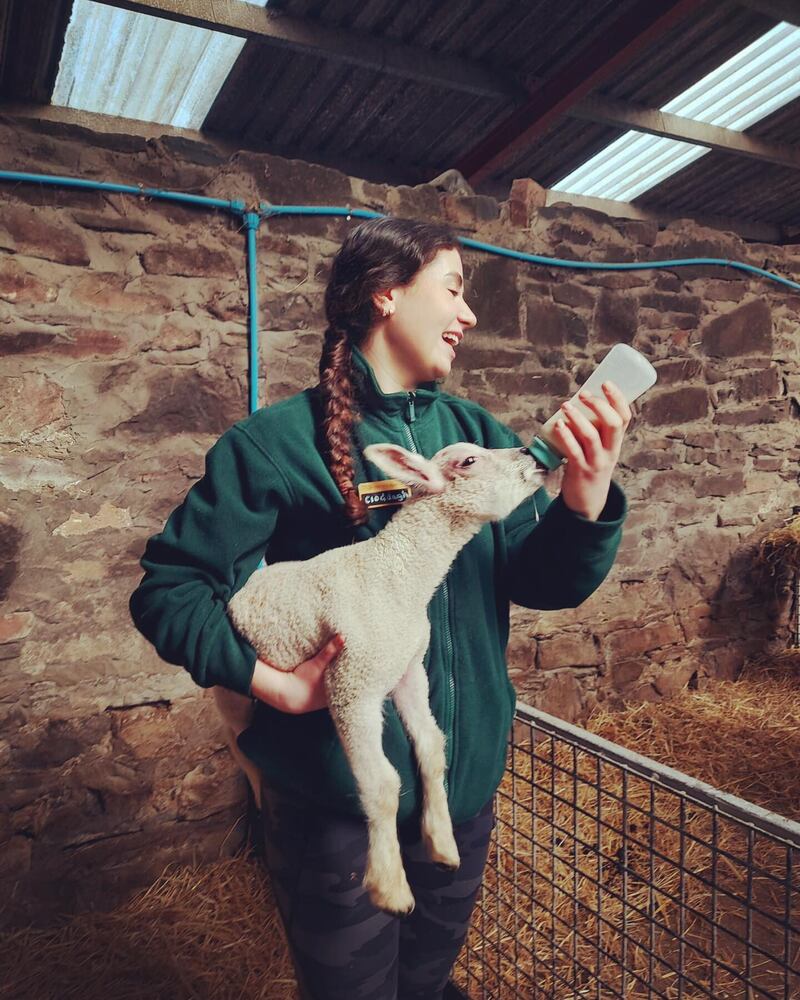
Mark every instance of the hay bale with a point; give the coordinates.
(779, 553)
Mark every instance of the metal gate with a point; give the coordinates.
(611, 875)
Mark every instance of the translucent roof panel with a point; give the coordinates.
(138, 66)
(752, 84)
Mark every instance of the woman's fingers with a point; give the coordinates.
(330, 650)
(570, 446)
(610, 422)
(584, 432)
(618, 401)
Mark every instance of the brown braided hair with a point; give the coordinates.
(376, 255)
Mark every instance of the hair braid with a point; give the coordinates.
(339, 406)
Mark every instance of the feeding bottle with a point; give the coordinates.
(626, 368)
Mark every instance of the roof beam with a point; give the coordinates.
(617, 45)
(781, 10)
(298, 34)
(641, 119)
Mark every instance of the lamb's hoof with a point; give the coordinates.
(397, 899)
(443, 851)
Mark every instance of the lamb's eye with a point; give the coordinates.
(467, 461)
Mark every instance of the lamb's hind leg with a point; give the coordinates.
(359, 723)
(412, 701)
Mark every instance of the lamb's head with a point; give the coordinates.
(484, 483)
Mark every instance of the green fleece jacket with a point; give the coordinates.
(266, 492)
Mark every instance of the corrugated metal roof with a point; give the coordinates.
(384, 127)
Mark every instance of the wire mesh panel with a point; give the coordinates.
(611, 875)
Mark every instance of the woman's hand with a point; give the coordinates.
(299, 690)
(591, 448)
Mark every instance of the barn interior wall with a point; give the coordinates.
(124, 355)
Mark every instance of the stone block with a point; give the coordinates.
(772, 412)
(672, 302)
(20, 287)
(675, 406)
(683, 370)
(469, 212)
(471, 356)
(551, 325)
(189, 261)
(420, 202)
(673, 677)
(764, 383)
(108, 291)
(525, 198)
(615, 318)
(574, 295)
(567, 651)
(493, 294)
(530, 383)
(744, 330)
(16, 625)
(42, 234)
(623, 673)
(29, 403)
(719, 485)
(625, 643)
(560, 696)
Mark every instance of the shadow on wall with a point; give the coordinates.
(749, 609)
(10, 539)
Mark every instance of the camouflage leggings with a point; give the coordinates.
(342, 946)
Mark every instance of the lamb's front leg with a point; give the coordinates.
(411, 698)
(359, 723)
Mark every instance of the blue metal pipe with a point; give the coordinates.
(252, 221)
(536, 258)
(137, 189)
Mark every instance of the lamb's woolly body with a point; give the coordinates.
(375, 594)
(362, 591)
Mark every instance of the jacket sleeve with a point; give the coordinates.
(556, 558)
(207, 550)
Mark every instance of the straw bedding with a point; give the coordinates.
(213, 931)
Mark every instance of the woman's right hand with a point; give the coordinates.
(299, 690)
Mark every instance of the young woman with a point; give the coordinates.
(283, 484)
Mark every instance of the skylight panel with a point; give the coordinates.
(761, 78)
(116, 62)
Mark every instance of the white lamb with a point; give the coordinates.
(375, 594)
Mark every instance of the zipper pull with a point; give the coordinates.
(411, 414)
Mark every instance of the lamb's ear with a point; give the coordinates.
(408, 467)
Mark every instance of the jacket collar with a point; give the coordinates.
(374, 399)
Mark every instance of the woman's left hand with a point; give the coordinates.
(591, 448)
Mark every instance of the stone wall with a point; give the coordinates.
(124, 356)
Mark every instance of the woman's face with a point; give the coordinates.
(431, 306)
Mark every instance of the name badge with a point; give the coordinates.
(384, 493)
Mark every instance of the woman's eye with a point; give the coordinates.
(468, 461)
(454, 292)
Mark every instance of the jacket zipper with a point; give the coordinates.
(448, 640)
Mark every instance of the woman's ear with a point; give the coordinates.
(383, 303)
(407, 466)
